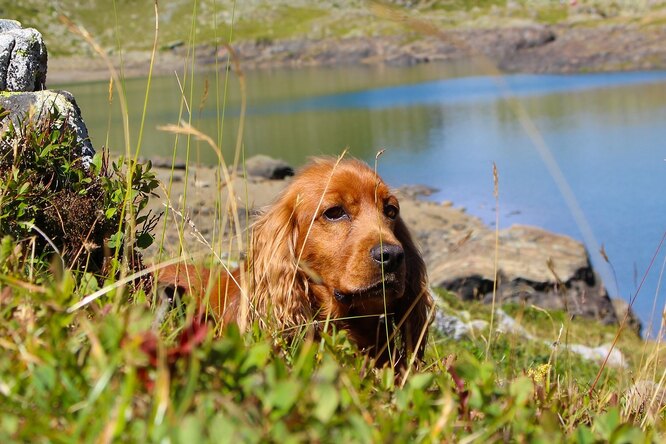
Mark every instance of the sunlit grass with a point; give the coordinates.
(82, 368)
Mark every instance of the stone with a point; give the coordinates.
(39, 103)
(267, 168)
(451, 326)
(414, 191)
(598, 354)
(534, 36)
(23, 58)
(506, 324)
(534, 266)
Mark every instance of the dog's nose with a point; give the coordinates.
(388, 256)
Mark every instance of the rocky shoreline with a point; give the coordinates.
(532, 48)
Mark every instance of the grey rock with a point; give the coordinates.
(23, 58)
(506, 324)
(598, 354)
(534, 267)
(527, 253)
(451, 326)
(534, 36)
(8, 25)
(268, 168)
(414, 191)
(456, 328)
(19, 105)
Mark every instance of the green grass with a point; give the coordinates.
(286, 22)
(104, 372)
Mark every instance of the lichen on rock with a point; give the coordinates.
(23, 58)
(39, 105)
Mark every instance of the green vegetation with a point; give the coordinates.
(123, 24)
(105, 372)
(102, 373)
(51, 200)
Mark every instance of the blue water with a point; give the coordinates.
(463, 90)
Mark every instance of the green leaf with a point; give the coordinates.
(521, 389)
(47, 150)
(97, 163)
(626, 433)
(45, 377)
(605, 424)
(363, 431)
(421, 381)
(387, 376)
(115, 240)
(584, 435)
(257, 357)
(88, 283)
(24, 188)
(9, 424)
(327, 400)
(283, 395)
(222, 429)
(189, 430)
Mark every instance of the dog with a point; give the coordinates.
(332, 250)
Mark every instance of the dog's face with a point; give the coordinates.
(333, 246)
(346, 218)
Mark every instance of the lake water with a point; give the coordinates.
(444, 126)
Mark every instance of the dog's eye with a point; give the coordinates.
(335, 213)
(391, 211)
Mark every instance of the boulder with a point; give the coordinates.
(534, 267)
(415, 191)
(534, 36)
(23, 58)
(267, 168)
(39, 104)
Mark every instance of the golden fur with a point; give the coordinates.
(331, 248)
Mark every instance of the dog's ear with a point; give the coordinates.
(413, 312)
(278, 293)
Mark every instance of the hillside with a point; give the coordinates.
(587, 35)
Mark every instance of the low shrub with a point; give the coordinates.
(63, 203)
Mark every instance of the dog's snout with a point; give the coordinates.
(388, 256)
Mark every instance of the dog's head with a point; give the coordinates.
(335, 247)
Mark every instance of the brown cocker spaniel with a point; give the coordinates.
(331, 248)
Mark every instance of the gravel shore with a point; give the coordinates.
(530, 48)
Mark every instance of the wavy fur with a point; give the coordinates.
(332, 248)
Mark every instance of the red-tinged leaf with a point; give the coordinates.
(149, 346)
(192, 335)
